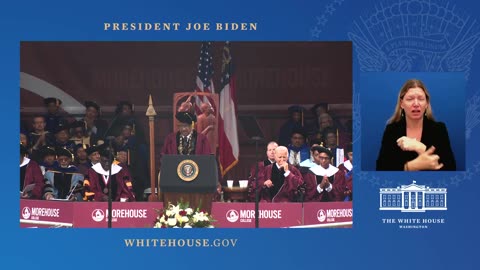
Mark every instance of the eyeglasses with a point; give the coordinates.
(323, 158)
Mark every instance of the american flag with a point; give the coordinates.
(228, 148)
(204, 74)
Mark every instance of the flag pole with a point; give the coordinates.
(151, 117)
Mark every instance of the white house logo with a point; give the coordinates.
(413, 198)
(232, 215)
(321, 216)
(98, 215)
(26, 213)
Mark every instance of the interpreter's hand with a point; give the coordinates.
(425, 161)
(268, 183)
(24, 195)
(411, 144)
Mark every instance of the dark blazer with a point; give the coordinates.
(393, 158)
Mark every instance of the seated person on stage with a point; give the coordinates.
(81, 160)
(55, 116)
(39, 137)
(131, 156)
(271, 146)
(294, 122)
(186, 141)
(330, 135)
(324, 182)
(96, 187)
(95, 126)
(79, 133)
(308, 163)
(347, 169)
(64, 182)
(311, 124)
(93, 154)
(298, 150)
(48, 155)
(280, 180)
(24, 138)
(125, 113)
(62, 138)
(31, 178)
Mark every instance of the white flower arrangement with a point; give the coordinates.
(182, 216)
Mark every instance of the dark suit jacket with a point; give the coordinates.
(392, 158)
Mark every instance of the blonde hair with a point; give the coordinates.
(412, 83)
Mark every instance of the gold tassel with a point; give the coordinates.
(337, 138)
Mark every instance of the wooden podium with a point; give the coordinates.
(189, 178)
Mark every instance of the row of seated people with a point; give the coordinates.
(92, 164)
(314, 180)
(69, 134)
(319, 124)
(63, 181)
(88, 129)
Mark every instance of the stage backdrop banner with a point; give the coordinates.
(242, 215)
(327, 212)
(36, 213)
(124, 215)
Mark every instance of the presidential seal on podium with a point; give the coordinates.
(187, 170)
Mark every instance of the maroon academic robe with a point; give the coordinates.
(251, 177)
(170, 147)
(33, 175)
(348, 178)
(122, 185)
(336, 194)
(286, 193)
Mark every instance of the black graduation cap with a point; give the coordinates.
(23, 150)
(47, 151)
(321, 149)
(78, 124)
(186, 117)
(104, 152)
(116, 129)
(89, 104)
(90, 150)
(61, 127)
(123, 148)
(81, 145)
(295, 108)
(50, 100)
(121, 104)
(318, 105)
(64, 152)
(299, 130)
(124, 124)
